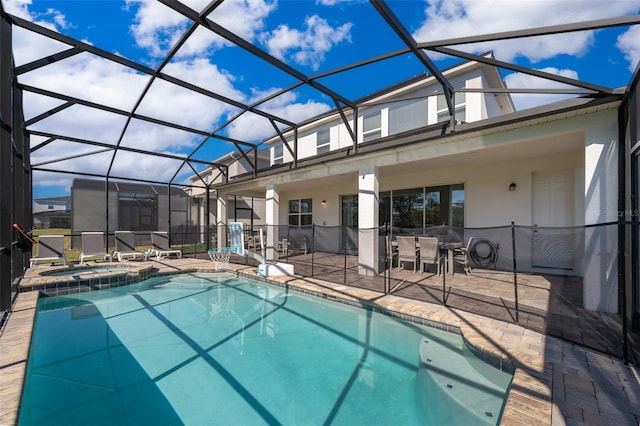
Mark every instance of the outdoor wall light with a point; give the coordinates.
(512, 187)
(323, 202)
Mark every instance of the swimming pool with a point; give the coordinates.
(219, 349)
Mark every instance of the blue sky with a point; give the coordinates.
(310, 36)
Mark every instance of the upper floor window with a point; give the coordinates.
(300, 212)
(323, 141)
(407, 115)
(278, 153)
(371, 126)
(460, 100)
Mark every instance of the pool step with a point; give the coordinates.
(449, 384)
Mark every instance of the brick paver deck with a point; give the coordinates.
(556, 382)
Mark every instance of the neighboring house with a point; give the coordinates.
(550, 166)
(131, 207)
(54, 212)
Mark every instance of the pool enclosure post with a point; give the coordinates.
(6, 187)
(515, 273)
(15, 175)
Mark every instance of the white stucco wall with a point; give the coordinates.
(601, 205)
(585, 145)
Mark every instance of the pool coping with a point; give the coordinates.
(554, 380)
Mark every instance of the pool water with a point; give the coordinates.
(206, 349)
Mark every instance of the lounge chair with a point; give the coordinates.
(93, 246)
(160, 243)
(126, 246)
(429, 252)
(50, 248)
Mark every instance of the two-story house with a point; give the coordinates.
(400, 159)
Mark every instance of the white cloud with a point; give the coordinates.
(629, 44)
(203, 73)
(56, 16)
(157, 27)
(446, 19)
(29, 46)
(18, 8)
(524, 81)
(252, 127)
(309, 46)
(90, 78)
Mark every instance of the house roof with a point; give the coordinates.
(544, 114)
(124, 187)
(62, 199)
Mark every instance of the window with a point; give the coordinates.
(460, 100)
(50, 207)
(323, 141)
(444, 205)
(278, 153)
(407, 115)
(407, 208)
(418, 207)
(300, 212)
(371, 126)
(350, 210)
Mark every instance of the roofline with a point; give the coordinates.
(422, 77)
(435, 132)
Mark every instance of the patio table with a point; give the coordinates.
(451, 248)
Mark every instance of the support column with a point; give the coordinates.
(368, 217)
(221, 218)
(600, 274)
(272, 217)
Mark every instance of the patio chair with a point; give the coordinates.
(429, 253)
(299, 245)
(461, 256)
(284, 246)
(50, 248)
(93, 246)
(254, 243)
(160, 243)
(126, 246)
(407, 251)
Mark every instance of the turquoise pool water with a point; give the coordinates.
(206, 349)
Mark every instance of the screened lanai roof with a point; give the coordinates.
(159, 97)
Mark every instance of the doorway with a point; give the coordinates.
(553, 238)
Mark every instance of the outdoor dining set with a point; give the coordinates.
(424, 251)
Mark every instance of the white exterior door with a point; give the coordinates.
(553, 238)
